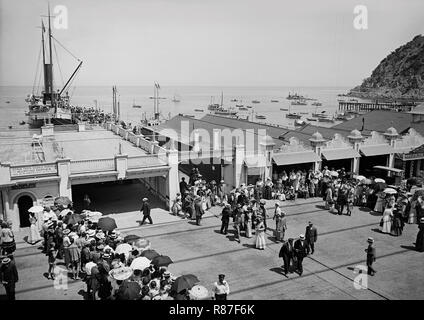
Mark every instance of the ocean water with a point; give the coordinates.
(192, 97)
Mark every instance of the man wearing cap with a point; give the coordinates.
(221, 288)
(145, 209)
(300, 253)
(311, 235)
(371, 256)
(9, 276)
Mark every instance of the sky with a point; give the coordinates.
(208, 42)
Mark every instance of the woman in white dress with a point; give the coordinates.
(380, 202)
(34, 233)
(260, 234)
(387, 220)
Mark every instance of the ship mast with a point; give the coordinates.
(51, 62)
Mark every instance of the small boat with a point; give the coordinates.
(256, 101)
(341, 117)
(243, 108)
(317, 103)
(198, 110)
(233, 100)
(175, 99)
(136, 106)
(22, 122)
(294, 97)
(283, 109)
(249, 107)
(303, 112)
(299, 103)
(293, 116)
(186, 115)
(274, 101)
(311, 119)
(7, 101)
(299, 122)
(319, 115)
(258, 116)
(239, 105)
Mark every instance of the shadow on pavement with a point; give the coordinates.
(377, 230)
(278, 270)
(409, 248)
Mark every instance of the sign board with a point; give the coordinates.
(24, 186)
(413, 156)
(33, 170)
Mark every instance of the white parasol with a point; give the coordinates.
(199, 292)
(334, 174)
(140, 263)
(360, 178)
(390, 191)
(36, 209)
(379, 180)
(124, 248)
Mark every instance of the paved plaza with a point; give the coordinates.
(254, 274)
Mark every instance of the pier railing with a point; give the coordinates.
(137, 162)
(93, 165)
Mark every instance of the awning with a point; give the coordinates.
(282, 159)
(336, 154)
(376, 150)
(388, 169)
(258, 161)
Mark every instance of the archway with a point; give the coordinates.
(24, 203)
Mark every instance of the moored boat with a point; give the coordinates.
(293, 116)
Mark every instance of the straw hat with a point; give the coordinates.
(301, 237)
(91, 233)
(370, 240)
(121, 273)
(5, 260)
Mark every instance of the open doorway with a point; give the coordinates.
(24, 203)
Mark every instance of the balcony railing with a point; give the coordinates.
(137, 162)
(33, 170)
(95, 165)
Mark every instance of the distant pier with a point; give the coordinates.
(370, 106)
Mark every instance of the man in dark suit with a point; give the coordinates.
(371, 256)
(311, 235)
(9, 276)
(300, 253)
(287, 253)
(145, 208)
(183, 186)
(226, 213)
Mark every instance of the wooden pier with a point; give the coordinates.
(369, 106)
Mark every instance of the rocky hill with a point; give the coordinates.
(398, 76)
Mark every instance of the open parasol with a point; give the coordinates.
(131, 238)
(124, 248)
(140, 263)
(36, 209)
(121, 273)
(377, 180)
(184, 282)
(162, 261)
(149, 254)
(199, 292)
(142, 244)
(107, 224)
(129, 290)
(360, 178)
(390, 191)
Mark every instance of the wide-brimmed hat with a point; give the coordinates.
(370, 240)
(100, 235)
(5, 260)
(100, 247)
(167, 273)
(301, 237)
(145, 199)
(91, 233)
(121, 273)
(222, 181)
(422, 220)
(106, 255)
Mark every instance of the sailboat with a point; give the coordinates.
(175, 99)
(51, 105)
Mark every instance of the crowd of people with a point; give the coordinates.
(113, 267)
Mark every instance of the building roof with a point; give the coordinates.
(378, 120)
(336, 154)
(283, 158)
